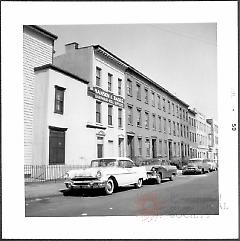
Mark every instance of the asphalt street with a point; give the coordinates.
(185, 195)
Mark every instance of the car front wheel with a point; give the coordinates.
(109, 187)
(139, 183)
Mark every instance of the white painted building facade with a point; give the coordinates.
(106, 88)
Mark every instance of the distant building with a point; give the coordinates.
(192, 133)
(213, 145)
(38, 47)
(203, 130)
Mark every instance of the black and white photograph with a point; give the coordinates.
(130, 123)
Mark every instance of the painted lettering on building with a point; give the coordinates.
(108, 97)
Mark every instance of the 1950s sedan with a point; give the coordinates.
(106, 173)
(159, 169)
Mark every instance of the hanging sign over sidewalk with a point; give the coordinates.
(108, 97)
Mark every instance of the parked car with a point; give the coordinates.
(212, 164)
(196, 165)
(108, 174)
(159, 169)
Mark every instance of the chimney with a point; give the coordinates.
(71, 46)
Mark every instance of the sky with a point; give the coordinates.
(182, 58)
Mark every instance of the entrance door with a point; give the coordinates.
(154, 148)
(130, 152)
(56, 147)
(170, 150)
(120, 147)
(99, 147)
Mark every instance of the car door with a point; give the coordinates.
(126, 173)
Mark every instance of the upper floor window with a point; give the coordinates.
(138, 91)
(130, 115)
(146, 95)
(98, 112)
(177, 110)
(146, 120)
(110, 115)
(174, 129)
(180, 110)
(173, 109)
(129, 87)
(159, 102)
(164, 125)
(153, 99)
(139, 118)
(98, 76)
(169, 107)
(160, 123)
(119, 87)
(169, 127)
(164, 105)
(154, 121)
(109, 82)
(120, 124)
(59, 99)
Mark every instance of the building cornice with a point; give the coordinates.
(42, 31)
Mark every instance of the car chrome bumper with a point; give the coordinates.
(151, 175)
(84, 184)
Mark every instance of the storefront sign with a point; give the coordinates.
(108, 97)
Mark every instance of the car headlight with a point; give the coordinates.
(99, 174)
(153, 169)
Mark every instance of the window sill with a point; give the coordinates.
(110, 126)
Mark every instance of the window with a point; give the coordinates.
(173, 109)
(98, 76)
(110, 115)
(109, 82)
(129, 87)
(184, 131)
(164, 105)
(169, 126)
(174, 129)
(130, 115)
(146, 95)
(146, 120)
(181, 130)
(160, 123)
(120, 124)
(147, 146)
(138, 91)
(165, 148)
(153, 99)
(59, 99)
(139, 146)
(177, 111)
(175, 149)
(98, 112)
(184, 114)
(180, 110)
(159, 102)
(169, 107)
(139, 118)
(119, 87)
(178, 129)
(160, 147)
(154, 121)
(187, 131)
(164, 125)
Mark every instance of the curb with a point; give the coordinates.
(60, 192)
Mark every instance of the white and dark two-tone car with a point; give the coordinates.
(106, 173)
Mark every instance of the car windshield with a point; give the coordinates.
(103, 163)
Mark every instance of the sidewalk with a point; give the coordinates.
(44, 189)
(49, 188)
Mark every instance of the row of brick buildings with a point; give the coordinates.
(88, 103)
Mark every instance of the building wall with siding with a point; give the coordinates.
(37, 51)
